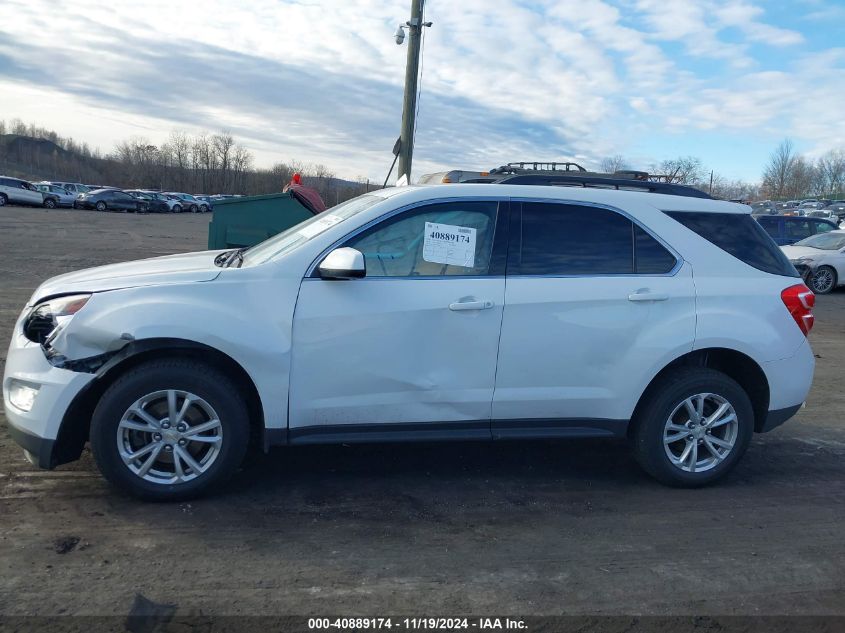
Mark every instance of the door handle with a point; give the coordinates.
(471, 305)
(645, 295)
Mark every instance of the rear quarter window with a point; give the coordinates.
(738, 235)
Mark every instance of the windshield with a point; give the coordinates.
(305, 231)
(824, 241)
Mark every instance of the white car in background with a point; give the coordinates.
(64, 197)
(73, 187)
(820, 259)
(17, 191)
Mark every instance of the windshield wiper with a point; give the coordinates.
(225, 259)
(236, 255)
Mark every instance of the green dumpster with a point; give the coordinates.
(252, 219)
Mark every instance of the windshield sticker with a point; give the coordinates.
(448, 244)
(315, 228)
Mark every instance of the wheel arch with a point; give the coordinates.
(738, 366)
(75, 426)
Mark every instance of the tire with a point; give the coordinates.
(100, 206)
(50, 203)
(664, 406)
(194, 208)
(147, 387)
(3, 200)
(822, 280)
(203, 208)
(177, 209)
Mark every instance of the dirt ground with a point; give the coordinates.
(514, 527)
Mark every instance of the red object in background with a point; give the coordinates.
(308, 197)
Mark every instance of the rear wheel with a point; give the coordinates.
(3, 200)
(50, 203)
(194, 208)
(823, 280)
(170, 429)
(693, 427)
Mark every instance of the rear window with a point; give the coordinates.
(739, 235)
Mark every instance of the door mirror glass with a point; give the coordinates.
(343, 263)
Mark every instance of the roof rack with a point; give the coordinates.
(599, 182)
(523, 167)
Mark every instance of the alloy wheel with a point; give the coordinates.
(700, 433)
(823, 280)
(169, 437)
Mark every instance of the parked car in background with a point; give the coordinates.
(62, 197)
(820, 259)
(109, 200)
(74, 187)
(189, 203)
(156, 203)
(766, 207)
(17, 191)
(786, 229)
(837, 207)
(208, 201)
(825, 214)
(174, 204)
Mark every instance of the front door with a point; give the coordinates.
(595, 306)
(409, 351)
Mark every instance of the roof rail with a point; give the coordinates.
(522, 167)
(599, 182)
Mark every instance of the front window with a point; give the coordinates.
(446, 239)
(824, 241)
(304, 232)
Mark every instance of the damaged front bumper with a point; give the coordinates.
(34, 421)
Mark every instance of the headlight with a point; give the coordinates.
(48, 317)
(806, 260)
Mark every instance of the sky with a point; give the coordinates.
(321, 81)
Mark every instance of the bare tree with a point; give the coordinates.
(830, 172)
(613, 164)
(779, 171)
(686, 170)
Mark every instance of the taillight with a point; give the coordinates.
(799, 300)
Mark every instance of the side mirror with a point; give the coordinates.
(343, 263)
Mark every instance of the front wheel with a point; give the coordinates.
(3, 200)
(50, 203)
(170, 429)
(100, 206)
(177, 209)
(693, 427)
(823, 280)
(204, 208)
(194, 208)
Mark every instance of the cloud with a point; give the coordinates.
(322, 81)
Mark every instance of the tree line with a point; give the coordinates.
(789, 175)
(217, 163)
(204, 164)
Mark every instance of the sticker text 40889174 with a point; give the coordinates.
(449, 244)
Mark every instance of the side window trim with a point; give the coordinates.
(515, 250)
(498, 255)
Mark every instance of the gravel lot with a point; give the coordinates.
(435, 529)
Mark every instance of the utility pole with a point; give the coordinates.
(409, 106)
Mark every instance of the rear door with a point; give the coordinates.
(594, 306)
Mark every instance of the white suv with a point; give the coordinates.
(477, 311)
